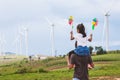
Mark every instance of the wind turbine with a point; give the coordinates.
(2, 44)
(26, 40)
(20, 41)
(106, 20)
(22, 34)
(52, 37)
(107, 30)
(15, 42)
(106, 25)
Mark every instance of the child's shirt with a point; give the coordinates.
(81, 41)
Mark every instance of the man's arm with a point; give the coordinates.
(72, 62)
(90, 61)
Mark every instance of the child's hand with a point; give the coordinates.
(91, 35)
(71, 36)
(71, 32)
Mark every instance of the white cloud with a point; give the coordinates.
(115, 43)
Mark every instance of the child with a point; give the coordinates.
(80, 44)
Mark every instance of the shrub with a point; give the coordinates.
(19, 65)
(41, 70)
(24, 70)
(0, 74)
(21, 70)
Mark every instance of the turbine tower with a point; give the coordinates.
(20, 42)
(26, 40)
(52, 40)
(22, 36)
(107, 30)
(2, 44)
(106, 23)
(52, 37)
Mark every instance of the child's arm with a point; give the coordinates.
(71, 36)
(90, 39)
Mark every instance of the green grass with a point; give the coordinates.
(107, 57)
(55, 69)
(107, 69)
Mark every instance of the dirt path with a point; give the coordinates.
(56, 68)
(105, 78)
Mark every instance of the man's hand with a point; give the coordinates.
(70, 66)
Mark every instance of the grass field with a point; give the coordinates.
(107, 67)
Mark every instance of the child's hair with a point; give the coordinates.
(81, 29)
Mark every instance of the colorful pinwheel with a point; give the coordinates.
(94, 23)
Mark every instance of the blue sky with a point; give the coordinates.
(16, 14)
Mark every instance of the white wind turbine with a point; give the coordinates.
(26, 40)
(15, 42)
(18, 42)
(52, 37)
(107, 30)
(106, 26)
(2, 44)
(22, 36)
(106, 22)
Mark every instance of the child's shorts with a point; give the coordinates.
(82, 51)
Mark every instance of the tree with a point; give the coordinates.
(99, 50)
(91, 49)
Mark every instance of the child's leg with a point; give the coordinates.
(68, 60)
(69, 55)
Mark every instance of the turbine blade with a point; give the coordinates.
(50, 23)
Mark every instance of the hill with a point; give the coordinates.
(106, 66)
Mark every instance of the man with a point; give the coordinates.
(80, 65)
